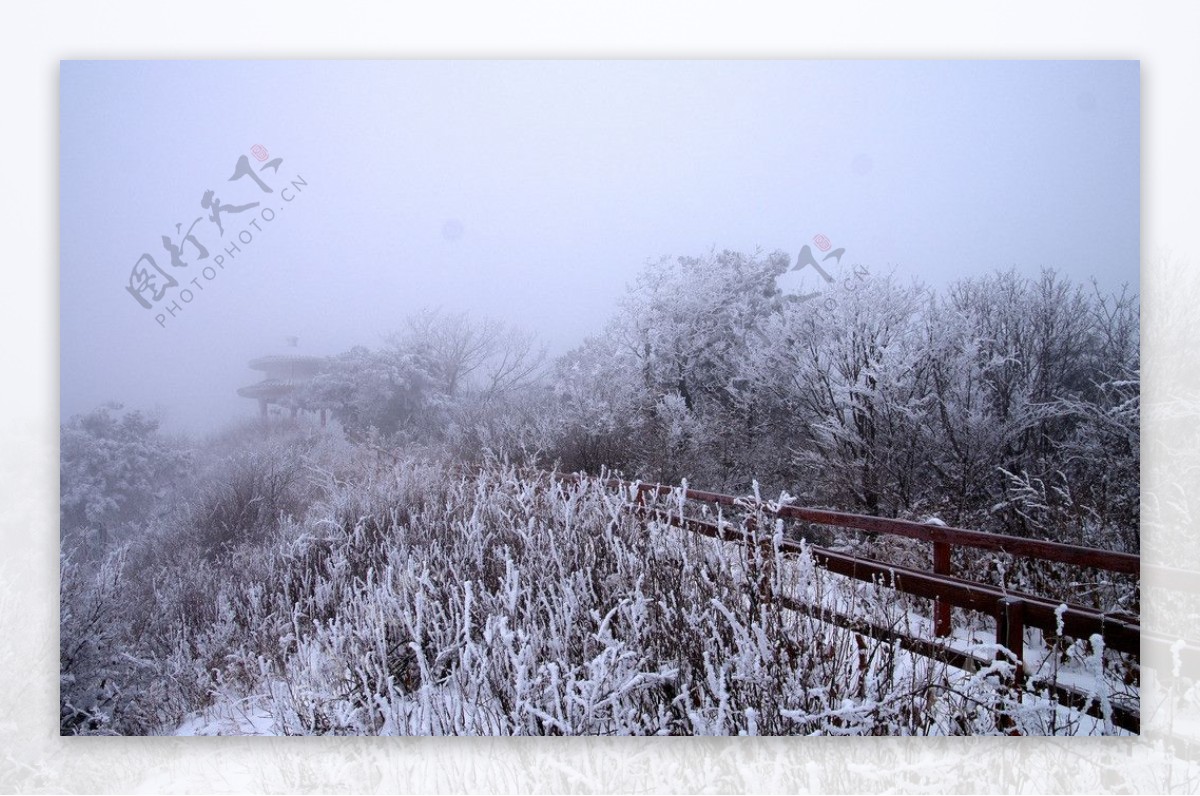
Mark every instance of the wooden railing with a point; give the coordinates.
(1012, 610)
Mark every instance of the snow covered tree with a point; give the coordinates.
(600, 408)
(485, 374)
(869, 394)
(464, 355)
(689, 327)
(389, 390)
(1058, 368)
(848, 367)
(116, 469)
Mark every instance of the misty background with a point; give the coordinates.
(533, 192)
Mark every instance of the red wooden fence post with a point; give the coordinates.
(941, 607)
(766, 577)
(1010, 631)
(757, 582)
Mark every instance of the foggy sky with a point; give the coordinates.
(535, 191)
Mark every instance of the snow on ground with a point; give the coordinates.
(240, 717)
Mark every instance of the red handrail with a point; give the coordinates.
(959, 537)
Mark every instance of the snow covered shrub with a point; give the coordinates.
(599, 413)
(89, 631)
(1052, 510)
(105, 688)
(243, 497)
(116, 470)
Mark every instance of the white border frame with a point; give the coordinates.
(37, 36)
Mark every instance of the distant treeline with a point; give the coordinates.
(1003, 402)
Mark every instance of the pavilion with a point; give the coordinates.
(284, 375)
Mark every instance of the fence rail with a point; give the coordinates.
(928, 532)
